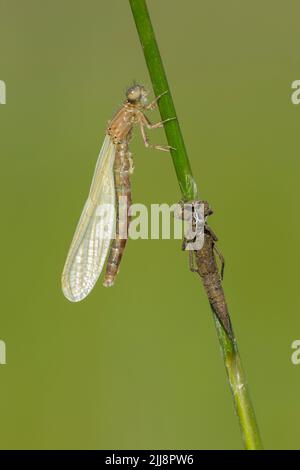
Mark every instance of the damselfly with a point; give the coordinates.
(100, 217)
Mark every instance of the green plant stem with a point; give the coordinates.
(236, 377)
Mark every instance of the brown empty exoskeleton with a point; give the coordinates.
(108, 203)
(119, 130)
(203, 262)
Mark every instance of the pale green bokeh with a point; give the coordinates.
(138, 366)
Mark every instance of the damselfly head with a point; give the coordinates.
(137, 94)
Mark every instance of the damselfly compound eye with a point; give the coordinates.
(134, 93)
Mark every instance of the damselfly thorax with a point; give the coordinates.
(100, 218)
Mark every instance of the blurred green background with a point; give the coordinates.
(138, 366)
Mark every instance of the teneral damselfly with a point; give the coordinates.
(203, 262)
(101, 214)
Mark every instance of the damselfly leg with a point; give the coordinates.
(103, 212)
(153, 104)
(146, 123)
(222, 260)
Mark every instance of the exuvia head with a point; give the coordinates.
(193, 208)
(137, 94)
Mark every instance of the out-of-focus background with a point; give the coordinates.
(138, 366)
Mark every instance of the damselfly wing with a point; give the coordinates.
(93, 234)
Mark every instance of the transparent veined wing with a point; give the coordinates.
(94, 231)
